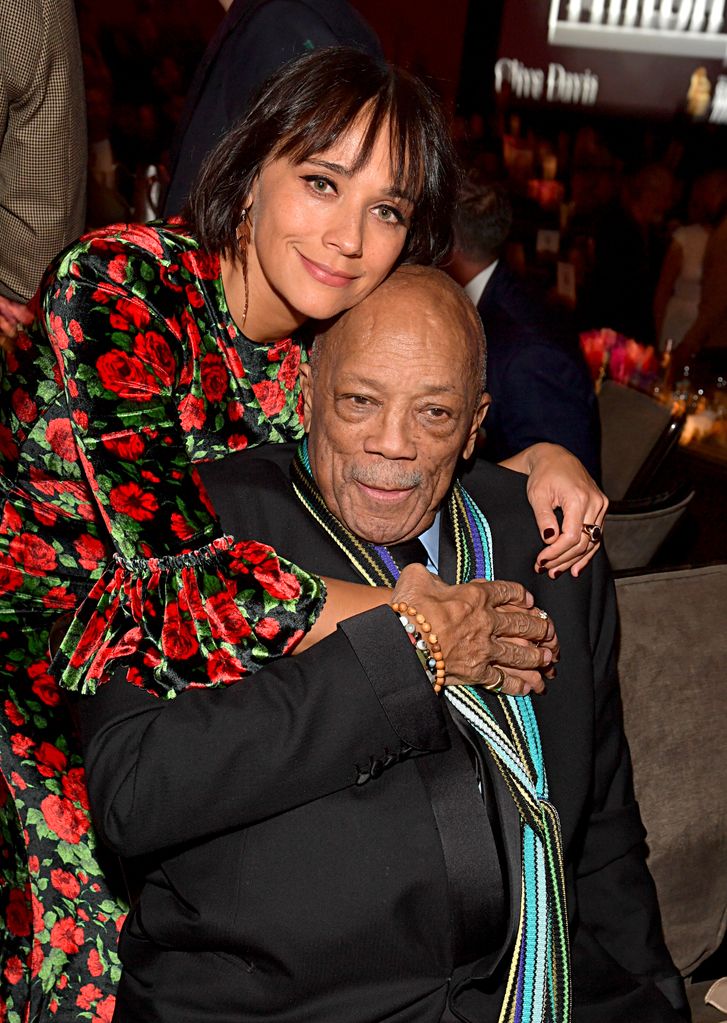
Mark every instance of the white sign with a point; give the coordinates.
(681, 28)
(556, 85)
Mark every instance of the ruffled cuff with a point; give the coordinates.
(200, 619)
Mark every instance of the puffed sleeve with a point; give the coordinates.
(181, 603)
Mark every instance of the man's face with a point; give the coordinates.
(391, 408)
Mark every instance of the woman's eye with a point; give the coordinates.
(321, 185)
(390, 215)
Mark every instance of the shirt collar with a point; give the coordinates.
(430, 539)
(477, 285)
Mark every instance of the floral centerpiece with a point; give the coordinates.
(613, 356)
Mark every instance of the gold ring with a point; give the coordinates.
(496, 686)
(592, 531)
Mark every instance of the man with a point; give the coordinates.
(539, 383)
(42, 145)
(327, 840)
(704, 348)
(630, 242)
(255, 38)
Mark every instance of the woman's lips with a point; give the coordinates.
(326, 274)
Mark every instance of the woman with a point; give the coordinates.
(676, 300)
(138, 367)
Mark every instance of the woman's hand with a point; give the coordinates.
(485, 629)
(556, 479)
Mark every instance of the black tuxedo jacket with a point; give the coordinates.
(310, 844)
(255, 38)
(540, 386)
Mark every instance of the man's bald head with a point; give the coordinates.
(393, 399)
(414, 295)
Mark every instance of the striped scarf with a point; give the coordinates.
(538, 985)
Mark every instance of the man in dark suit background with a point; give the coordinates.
(255, 38)
(327, 840)
(538, 380)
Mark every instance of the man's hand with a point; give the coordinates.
(484, 629)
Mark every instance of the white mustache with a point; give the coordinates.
(385, 480)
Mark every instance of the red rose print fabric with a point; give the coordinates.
(133, 371)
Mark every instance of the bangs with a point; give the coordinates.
(332, 120)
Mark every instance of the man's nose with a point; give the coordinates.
(391, 437)
(345, 231)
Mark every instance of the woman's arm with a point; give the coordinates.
(558, 480)
(670, 270)
(148, 386)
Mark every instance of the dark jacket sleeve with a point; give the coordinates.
(540, 386)
(540, 394)
(617, 898)
(166, 772)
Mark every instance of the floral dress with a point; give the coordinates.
(132, 372)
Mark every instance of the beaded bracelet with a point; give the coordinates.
(427, 649)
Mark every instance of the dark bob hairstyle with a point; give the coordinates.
(303, 111)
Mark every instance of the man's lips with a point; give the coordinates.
(383, 494)
(326, 274)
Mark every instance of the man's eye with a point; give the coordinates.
(359, 400)
(437, 413)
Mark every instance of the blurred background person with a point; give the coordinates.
(535, 370)
(255, 38)
(630, 241)
(676, 301)
(704, 348)
(42, 145)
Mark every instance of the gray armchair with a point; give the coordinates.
(673, 671)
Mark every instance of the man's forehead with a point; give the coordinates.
(355, 374)
(376, 351)
(392, 321)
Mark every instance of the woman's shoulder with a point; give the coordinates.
(158, 250)
(154, 264)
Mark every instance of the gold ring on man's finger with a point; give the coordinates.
(496, 686)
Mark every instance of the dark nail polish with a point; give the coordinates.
(547, 533)
(557, 573)
(544, 563)
(538, 569)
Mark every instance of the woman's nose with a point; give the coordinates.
(346, 231)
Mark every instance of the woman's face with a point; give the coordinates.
(321, 237)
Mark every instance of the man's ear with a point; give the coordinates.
(477, 420)
(305, 375)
